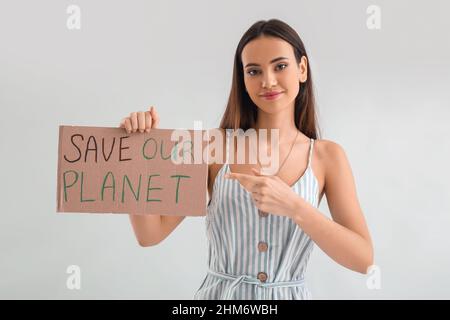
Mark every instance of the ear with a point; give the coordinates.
(303, 69)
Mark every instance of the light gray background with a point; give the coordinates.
(382, 94)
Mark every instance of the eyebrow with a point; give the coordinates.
(257, 65)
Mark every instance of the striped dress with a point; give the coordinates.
(253, 255)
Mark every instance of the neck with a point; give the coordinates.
(283, 121)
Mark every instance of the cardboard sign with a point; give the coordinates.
(106, 170)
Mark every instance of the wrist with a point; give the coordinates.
(297, 209)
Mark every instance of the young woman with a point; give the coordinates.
(261, 229)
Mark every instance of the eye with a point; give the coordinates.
(250, 72)
(282, 64)
(253, 72)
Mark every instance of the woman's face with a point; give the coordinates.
(269, 65)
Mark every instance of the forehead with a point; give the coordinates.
(263, 49)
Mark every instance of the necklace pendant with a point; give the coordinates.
(262, 213)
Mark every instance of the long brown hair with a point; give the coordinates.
(241, 112)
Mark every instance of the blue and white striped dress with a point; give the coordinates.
(253, 256)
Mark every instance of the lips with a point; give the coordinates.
(271, 93)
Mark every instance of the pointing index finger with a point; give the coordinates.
(248, 181)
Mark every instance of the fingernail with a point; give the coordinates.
(147, 130)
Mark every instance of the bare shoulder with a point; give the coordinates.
(334, 162)
(326, 153)
(330, 151)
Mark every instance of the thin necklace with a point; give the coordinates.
(279, 168)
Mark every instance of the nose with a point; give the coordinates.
(269, 80)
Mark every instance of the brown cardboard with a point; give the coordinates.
(85, 177)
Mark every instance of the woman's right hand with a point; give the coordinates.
(140, 121)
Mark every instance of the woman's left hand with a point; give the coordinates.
(269, 193)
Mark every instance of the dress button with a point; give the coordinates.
(262, 213)
(262, 276)
(262, 246)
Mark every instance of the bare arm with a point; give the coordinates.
(346, 238)
(152, 229)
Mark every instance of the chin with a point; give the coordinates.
(272, 109)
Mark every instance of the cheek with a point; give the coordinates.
(252, 87)
(292, 84)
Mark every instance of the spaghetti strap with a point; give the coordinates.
(227, 146)
(310, 151)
